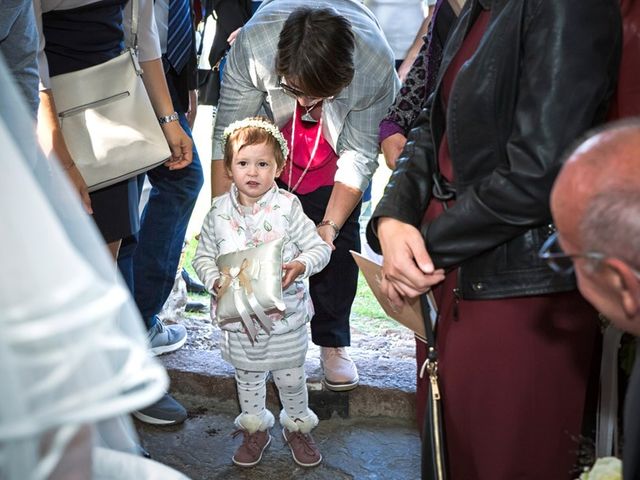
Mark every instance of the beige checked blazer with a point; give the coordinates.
(350, 120)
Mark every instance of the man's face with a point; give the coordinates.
(596, 281)
(592, 280)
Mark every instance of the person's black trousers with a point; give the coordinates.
(334, 288)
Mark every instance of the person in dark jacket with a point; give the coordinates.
(466, 211)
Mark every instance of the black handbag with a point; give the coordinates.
(434, 457)
(208, 78)
(229, 16)
(209, 86)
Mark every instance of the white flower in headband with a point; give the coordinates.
(270, 128)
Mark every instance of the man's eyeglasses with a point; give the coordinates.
(561, 262)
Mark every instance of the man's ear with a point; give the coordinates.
(627, 284)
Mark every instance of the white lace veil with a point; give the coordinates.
(73, 350)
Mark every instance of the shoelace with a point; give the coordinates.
(156, 330)
(305, 439)
(249, 439)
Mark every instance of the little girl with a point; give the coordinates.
(256, 211)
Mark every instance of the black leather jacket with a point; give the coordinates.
(541, 76)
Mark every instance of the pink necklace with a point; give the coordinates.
(313, 152)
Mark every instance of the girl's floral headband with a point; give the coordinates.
(270, 128)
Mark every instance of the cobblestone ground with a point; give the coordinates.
(357, 447)
(363, 449)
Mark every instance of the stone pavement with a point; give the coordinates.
(367, 433)
(353, 448)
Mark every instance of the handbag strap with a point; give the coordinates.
(432, 352)
(135, 8)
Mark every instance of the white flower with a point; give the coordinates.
(257, 123)
(606, 468)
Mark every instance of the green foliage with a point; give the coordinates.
(366, 313)
(191, 250)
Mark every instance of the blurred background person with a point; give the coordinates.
(74, 353)
(418, 84)
(404, 24)
(18, 45)
(77, 34)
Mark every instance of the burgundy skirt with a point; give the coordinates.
(514, 375)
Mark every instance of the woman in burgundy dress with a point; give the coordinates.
(519, 81)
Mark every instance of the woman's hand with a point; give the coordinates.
(291, 271)
(233, 35)
(180, 144)
(51, 141)
(407, 269)
(67, 164)
(342, 202)
(328, 234)
(392, 148)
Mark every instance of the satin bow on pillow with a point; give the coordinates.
(251, 287)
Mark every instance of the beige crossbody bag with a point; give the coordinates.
(107, 120)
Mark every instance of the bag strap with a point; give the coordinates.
(432, 353)
(135, 12)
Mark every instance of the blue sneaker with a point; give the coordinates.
(166, 338)
(166, 411)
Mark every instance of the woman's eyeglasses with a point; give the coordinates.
(294, 92)
(561, 262)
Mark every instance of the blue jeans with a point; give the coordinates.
(149, 260)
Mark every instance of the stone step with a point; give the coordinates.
(387, 386)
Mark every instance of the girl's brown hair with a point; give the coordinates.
(252, 135)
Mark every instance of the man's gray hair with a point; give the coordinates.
(611, 225)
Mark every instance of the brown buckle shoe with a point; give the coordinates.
(340, 373)
(303, 448)
(249, 453)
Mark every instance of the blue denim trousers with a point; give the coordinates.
(149, 260)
